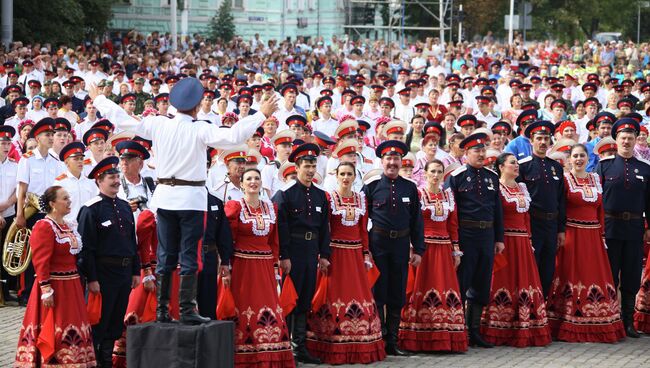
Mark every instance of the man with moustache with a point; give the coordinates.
(626, 200)
(109, 258)
(394, 208)
(543, 177)
(304, 236)
(480, 230)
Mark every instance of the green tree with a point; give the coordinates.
(222, 24)
(97, 14)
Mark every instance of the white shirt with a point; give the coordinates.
(227, 191)
(325, 126)
(179, 145)
(282, 114)
(209, 116)
(36, 115)
(404, 112)
(81, 128)
(38, 172)
(80, 189)
(270, 180)
(135, 190)
(8, 171)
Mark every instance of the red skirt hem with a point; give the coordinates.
(642, 322)
(275, 359)
(347, 353)
(569, 332)
(518, 338)
(433, 341)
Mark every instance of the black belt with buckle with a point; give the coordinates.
(307, 235)
(540, 215)
(209, 248)
(470, 224)
(391, 234)
(116, 261)
(625, 216)
(174, 182)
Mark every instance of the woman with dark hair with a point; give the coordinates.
(261, 334)
(55, 330)
(583, 304)
(346, 328)
(516, 314)
(432, 319)
(414, 137)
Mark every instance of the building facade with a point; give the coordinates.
(272, 19)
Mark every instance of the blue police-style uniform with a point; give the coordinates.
(544, 178)
(520, 147)
(394, 209)
(216, 238)
(109, 256)
(480, 226)
(626, 201)
(304, 236)
(593, 157)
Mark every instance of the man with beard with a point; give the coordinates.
(626, 200)
(303, 233)
(394, 208)
(480, 222)
(544, 179)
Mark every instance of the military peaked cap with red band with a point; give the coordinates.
(44, 125)
(387, 101)
(307, 151)
(146, 143)
(526, 117)
(591, 101)
(51, 102)
(502, 127)
(7, 132)
(132, 149)
(71, 150)
(625, 124)
(161, 97)
(20, 101)
(422, 105)
(625, 102)
(105, 166)
(358, 99)
(322, 139)
(296, 120)
(539, 127)
(94, 134)
(476, 140)
(467, 120)
(105, 125)
(62, 124)
(128, 97)
(604, 145)
(433, 127)
(391, 147)
(323, 99)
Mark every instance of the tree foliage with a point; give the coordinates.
(60, 21)
(222, 24)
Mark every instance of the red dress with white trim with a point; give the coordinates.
(346, 328)
(516, 315)
(261, 334)
(642, 306)
(433, 319)
(53, 255)
(583, 304)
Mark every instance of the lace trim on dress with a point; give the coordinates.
(521, 198)
(66, 236)
(260, 222)
(439, 208)
(589, 191)
(349, 212)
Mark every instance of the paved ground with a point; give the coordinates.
(630, 353)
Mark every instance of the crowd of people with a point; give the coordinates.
(339, 201)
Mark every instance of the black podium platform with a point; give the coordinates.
(173, 345)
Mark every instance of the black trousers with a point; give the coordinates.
(206, 297)
(115, 287)
(12, 281)
(30, 273)
(626, 261)
(391, 257)
(179, 233)
(475, 269)
(544, 239)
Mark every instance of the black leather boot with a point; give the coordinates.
(163, 290)
(473, 320)
(189, 315)
(298, 338)
(105, 359)
(627, 314)
(392, 329)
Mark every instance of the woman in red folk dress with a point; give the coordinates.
(432, 319)
(55, 331)
(583, 304)
(642, 305)
(346, 328)
(516, 314)
(261, 334)
(142, 301)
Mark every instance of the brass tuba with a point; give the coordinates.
(16, 252)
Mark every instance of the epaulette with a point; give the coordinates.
(607, 158)
(288, 185)
(92, 201)
(525, 159)
(642, 160)
(367, 161)
(459, 170)
(87, 161)
(28, 154)
(11, 159)
(61, 177)
(318, 186)
(492, 171)
(372, 179)
(411, 180)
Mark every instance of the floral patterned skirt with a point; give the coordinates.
(432, 319)
(346, 329)
(642, 306)
(261, 334)
(73, 340)
(583, 304)
(516, 314)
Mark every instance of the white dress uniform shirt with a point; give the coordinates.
(327, 126)
(130, 191)
(282, 114)
(270, 180)
(80, 189)
(38, 172)
(36, 115)
(8, 171)
(209, 116)
(179, 145)
(404, 112)
(227, 191)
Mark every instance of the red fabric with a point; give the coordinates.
(516, 313)
(642, 307)
(94, 308)
(410, 281)
(373, 275)
(583, 304)
(149, 313)
(320, 296)
(288, 297)
(261, 334)
(432, 319)
(68, 318)
(225, 302)
(345, 329)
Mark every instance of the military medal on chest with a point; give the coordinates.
(553, 170)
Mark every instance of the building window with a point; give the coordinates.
(238, 4)
(301, 5)
(288, 5)
(303, 22)
(311, 4)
